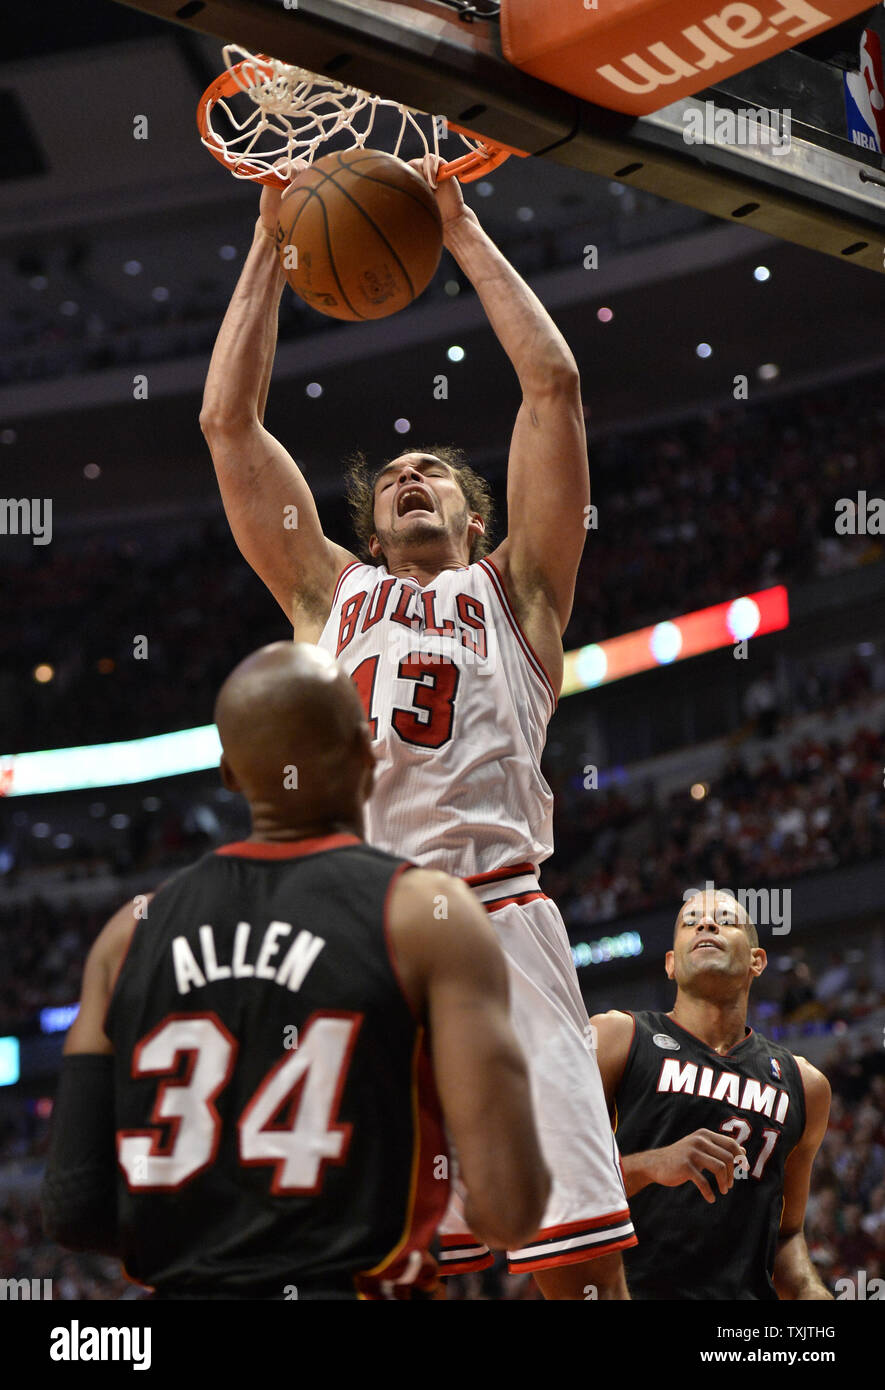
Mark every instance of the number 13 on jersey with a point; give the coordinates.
(428, 724)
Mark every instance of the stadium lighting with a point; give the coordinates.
(666, 643)
(629, 943)
(58, 1018)
(197, 750)
(705, 630)
(10, 1066)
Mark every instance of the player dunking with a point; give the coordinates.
(459, 660)
(718, 1127)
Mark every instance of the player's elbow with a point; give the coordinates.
(564, 374)
(526, 1222)
(219, 422)
(554, 375)
(511, 1212)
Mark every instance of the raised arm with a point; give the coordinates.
(454, 974)
(794, 1275)
(267, 500)
(548, 476)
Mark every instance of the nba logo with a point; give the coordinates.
(775, 1068)
(864, 93)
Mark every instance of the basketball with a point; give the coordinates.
(359, 235)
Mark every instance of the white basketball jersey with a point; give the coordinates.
(458, 704)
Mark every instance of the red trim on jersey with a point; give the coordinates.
(476, 880)
(176, 1078)
(570, 1228)
(467, 1266)
(351, 564)
(534, 659)
(428, 1195)
(468, 1263)
(452, 1240)
(495, 904)
(739, 1042)
(572, 1257)
(288, 849)
(391, 954)
(290, 1105)
(590, 1250)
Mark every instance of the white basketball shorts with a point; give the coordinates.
(587, 1214)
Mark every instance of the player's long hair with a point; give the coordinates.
(360, 482)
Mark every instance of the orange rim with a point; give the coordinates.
(467, 167)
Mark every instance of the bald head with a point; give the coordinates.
(720, 906)
(294, 736)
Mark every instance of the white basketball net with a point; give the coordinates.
(296, 111)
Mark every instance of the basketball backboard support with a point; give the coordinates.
(821, 192)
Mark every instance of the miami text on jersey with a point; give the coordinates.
(692, 1080)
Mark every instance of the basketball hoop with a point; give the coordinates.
(294, 112)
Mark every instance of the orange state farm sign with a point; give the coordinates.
(636, 56)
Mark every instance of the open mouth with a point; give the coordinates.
(706, 946)
(413, 499)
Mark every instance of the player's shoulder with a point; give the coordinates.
(433, 913)
(113, 940)
(439, 931)
(816, 1085)
(817, 1094)
(431, 891)
(350, 569)
(614, 1026)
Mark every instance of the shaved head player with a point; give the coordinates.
(248, 1105)
(457, 654)
(718, 1127)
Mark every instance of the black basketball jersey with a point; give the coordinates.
(672, 1085)
(278, 1129)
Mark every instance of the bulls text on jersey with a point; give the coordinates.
(416, 611)
(457, 703)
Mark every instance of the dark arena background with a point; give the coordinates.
(734, 386)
